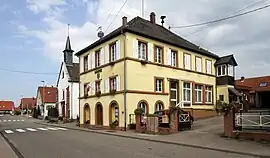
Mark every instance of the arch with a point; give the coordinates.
(113, 112)
(159, 105)
(99, 114)
(86, 114)
(145, 103)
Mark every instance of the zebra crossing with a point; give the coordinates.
(11, 121)
(24, 130)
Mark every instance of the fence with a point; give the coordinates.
(252, 121)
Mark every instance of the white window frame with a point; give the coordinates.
(142, 50)
(176, 97)
(208, 91)
(187, 64)
(185, 90)
(158, 54)
(113, 81)
(159, 85)
(223, 72)
(198, 60)
(113, 52)
(143, 108)
(198, 92)
(158, 106)
(173, 58)
(208, 66)
(230, 70)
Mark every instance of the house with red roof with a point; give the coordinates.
(46, 98)
(28, 103)
(6, 106)
(256, 91)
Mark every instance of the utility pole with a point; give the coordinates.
(43, 100)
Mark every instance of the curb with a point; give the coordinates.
(16, 151)
(161, 141)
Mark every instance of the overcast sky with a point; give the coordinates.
(35, 31)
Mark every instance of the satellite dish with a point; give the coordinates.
(100, 34)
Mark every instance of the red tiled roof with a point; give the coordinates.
(6, 105)
(50, 94)
(28, 102)
(256, 83)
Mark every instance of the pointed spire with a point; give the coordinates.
(68, 45)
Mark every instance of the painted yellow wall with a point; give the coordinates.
(223, 90)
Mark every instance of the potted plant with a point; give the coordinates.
(138, 111)
(114, 124)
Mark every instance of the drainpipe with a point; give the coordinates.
(125, 82)
(79, 95)
(70, 102)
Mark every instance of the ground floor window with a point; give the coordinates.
(159, 106)
(144, 106)
(114, 112)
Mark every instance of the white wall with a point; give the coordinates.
(62, 85)
(46, 109)
(74, 99)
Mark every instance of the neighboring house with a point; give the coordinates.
(143, 64)
(257, 91)
(6, 106)
(68, 85)
(28, 103)
(46, 98)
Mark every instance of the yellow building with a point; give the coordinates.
(143, 64)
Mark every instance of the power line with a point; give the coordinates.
(116, 15)
(28, 72)
(209, 25)
(109, 13)
(221, 19)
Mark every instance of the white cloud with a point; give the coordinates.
(245, 36)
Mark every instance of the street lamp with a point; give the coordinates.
(43, 99)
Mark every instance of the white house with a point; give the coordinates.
(46, 98)
(68, 85)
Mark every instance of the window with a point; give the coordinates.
(174, 92)
(208, 66)
(221, 97)
(143, 106)
(142, 50)
(97, 86)
(97, 57)
(63, 94)
(113, 84)
(187, 61)
(159, 85)
(198, 64)
(221, 70)
(208, 94)
(198, 93)
(230, 70)
(85, 89)
(113, 52)
(159, 106)
(158, 55)
(63, 74)
(173, 58)
(263, 84)
(186, 92)
(85, 62)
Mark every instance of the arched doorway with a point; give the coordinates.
(114, 112)
(144, 106)
(159, 106)
(99, 114)
(86, 114)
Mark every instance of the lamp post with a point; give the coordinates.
(43, 100)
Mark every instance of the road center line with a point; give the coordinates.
(31, 129)
(54, 129)
(20, 130)
(43, 129)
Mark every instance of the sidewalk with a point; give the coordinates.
(5, 149)
(192, 138)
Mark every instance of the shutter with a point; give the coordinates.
(118, 83)
(107, 54)
(199, 64)
(93, 88)
(150, 51)
(93, 60)
(118, 50)
(169, 57)
(187, 61)
(107, 86)
(102, 86)
(89, 62)
(102, 56)
(135, 48)
(89, 89)
(81, 64)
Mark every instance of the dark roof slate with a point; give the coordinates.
(145, 28)
(229, 59)
(74, 72)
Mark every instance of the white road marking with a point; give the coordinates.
(9, 120)
(31, 129)
(18, 120)
(0, 120)
(9, 131)
(22, 120)
(54, 129)
(5, 120)
(64, 129)
(14, 120)
(43, 129)
(20, 130)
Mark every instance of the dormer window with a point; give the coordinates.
(225, 70)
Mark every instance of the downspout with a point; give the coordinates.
(125, 82)
(79, 95)
(71, 103)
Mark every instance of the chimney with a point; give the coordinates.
(242, 79)
(124, 21)
(153, 18)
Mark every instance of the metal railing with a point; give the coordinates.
(184, 118)
(252, 120)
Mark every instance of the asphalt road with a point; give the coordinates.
(32, 142)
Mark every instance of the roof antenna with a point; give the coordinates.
(162, 19)
(68, 29)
